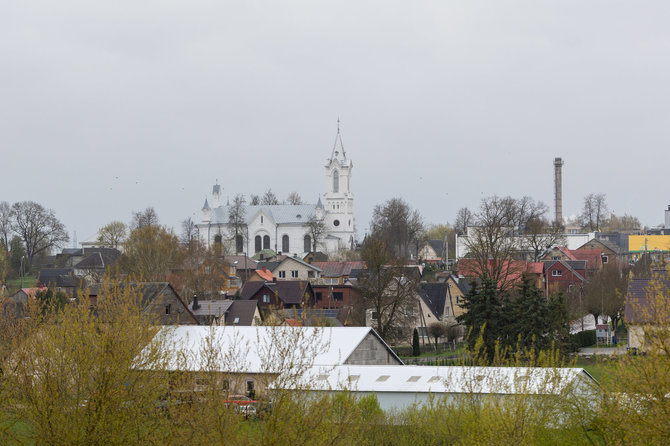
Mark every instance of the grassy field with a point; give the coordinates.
(599, 366)
(13, 285)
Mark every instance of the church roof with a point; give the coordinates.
(280, 213)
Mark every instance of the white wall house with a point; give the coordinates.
(283, 228)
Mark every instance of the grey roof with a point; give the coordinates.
(434, 295)
(216, 308)
(279, 213)
(644, 303)
(270, 266)
(243, 311)
(437, 245)
(206, 207)
(312, 316)
(98, 258)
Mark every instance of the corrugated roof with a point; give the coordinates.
(252, 349)
(445, 379)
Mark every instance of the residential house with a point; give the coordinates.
(292, 268)
(157, 298)
(609, 252)
(61, 279)
(225, 311)
(432, 252)
(511, 272)
(334, 289)
(244, 265)
(563, 275)
(261, 275)
(278, 294)
(95, 263)
(647, 311)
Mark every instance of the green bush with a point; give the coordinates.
(584, 338)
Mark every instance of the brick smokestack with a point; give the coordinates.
(558, 190)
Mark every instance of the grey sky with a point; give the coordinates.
(442, 103)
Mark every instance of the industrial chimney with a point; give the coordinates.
(558, 190)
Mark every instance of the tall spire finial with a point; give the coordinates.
(338, 138)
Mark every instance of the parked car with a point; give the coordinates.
(243, 404)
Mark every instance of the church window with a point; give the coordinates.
(336, 223)
(239, 243)
(266, 242)
(284, 243)
(349, 223)
(257, 243)
(261, 219)
(218, 239)
(308, 243)
(336, 181)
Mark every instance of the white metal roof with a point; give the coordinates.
(443, 379)
(259, 349)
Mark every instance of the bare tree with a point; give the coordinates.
(294, 198)
(491, 243)
(317, 230)
(38, 228)
(464, 218)
(437, 330)
(237, 222)
(594, 212)
(188, 231)
(112, 234)
(269, 198)
(400, 227)
(540, 234)
(623, 223)
(255, 200)
(5, 224)
(386, 291)
(147, 217)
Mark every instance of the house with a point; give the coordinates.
(310, 317)
(563, 275)
(457, 288)
(335, 296)
(15, 306)
(647, 310)
(292, 268)
(157, 298)
(285, 227)
(511, 272)
(432, 251)
(402, 386)
(251, 358)
(95, 263)
(225, 311)
(336, 273)
(61, 279)
(609, 252)
(261, 275)
(315, 256)
(593, 257)
(244, 265)
(278, 294)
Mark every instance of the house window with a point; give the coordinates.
(294, 274)
(257, 243)
(282, 274)
(319, 296)
(336, 181)
(556, 273)
(307, 246)
(284, 243)
(266, 242)
(208, 270)
(605, 259)
(266, 298)
(332, 281)
(168, 309)
(556, 258)
(225, 385)
(250, 385)
(338, 295)
(373, 316)
(310, 274)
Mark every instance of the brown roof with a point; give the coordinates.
(338, 269)
(243, 311)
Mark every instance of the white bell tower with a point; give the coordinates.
(339, 199)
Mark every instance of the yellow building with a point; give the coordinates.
(640, 244)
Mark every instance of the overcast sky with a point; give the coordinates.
(107, 107)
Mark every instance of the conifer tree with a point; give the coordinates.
(531, 316)
(482, 315)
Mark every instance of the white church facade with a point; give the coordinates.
(284, 228)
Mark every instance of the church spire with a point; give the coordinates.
(338, 147)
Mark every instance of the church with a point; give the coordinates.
(284, 227)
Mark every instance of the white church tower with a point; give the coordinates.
(339, 199)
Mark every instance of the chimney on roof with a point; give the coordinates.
(196, 305)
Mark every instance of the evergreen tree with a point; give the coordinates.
(483, 315)
(416, 348)
(531, 315)
(559, 321)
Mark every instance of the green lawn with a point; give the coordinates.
(599, 367)
(13, 285)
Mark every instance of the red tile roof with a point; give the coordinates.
(265, 274)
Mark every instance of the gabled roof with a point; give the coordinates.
(549, 264)
(592, 257)
(250, 288)
(434, 296)
(280, 213)
(647, 300)
(300, 261)
(58, 277)
(331, 346)
(290, 292)
(216, 308)
(243, 262)
(98, 259)
(437, 245)
(241, 312)
(338, 269)
(265, 274)
(268, 265)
